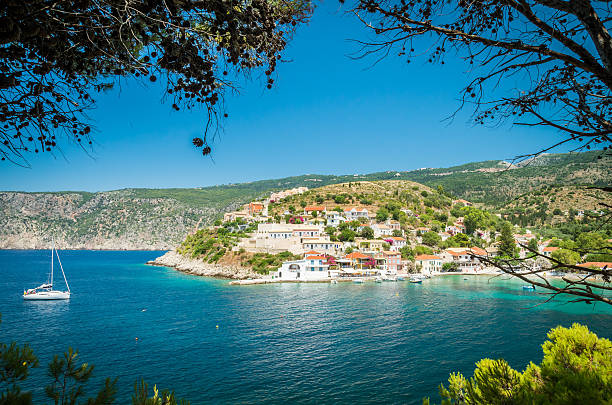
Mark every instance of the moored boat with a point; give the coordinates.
(45, 292)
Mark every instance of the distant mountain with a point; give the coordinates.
(160, 218)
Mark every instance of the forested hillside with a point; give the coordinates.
(160, 218)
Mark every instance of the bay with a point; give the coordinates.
(282, 343)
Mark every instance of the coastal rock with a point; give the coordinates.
(199, 268)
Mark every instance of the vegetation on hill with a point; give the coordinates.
(216, 245)
(554, 204)
(160, 218)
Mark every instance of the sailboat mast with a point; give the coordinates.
(52, 248)
(62, 268)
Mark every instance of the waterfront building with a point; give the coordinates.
(393, 261)
(596, 265)
(311, 268)
(428, 263)
(463, 258)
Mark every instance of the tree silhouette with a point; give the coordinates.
(559, 51)
(55, 57)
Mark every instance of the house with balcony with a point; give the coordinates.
(393, 261)
(353, 214)
(396, 242)
(311, 268)
(428, 264)
(381, 230)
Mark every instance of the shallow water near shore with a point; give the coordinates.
(275, 343)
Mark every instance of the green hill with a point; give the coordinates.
(160, 218)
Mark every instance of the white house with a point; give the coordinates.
(356, 213)
(381, 230)
(396, 242)
(334, 218)
(428, 263)
(311, 268)
(321, 245)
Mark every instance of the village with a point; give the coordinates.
(380, 250)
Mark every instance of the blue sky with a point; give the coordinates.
(327, 114)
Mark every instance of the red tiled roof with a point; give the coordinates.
(596, 264)
(316, 258)
(550, 249)
(312, 252)
(478, 251)
(426, 257)
(453, 253)
(357, 255)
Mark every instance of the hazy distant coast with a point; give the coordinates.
(199, 268)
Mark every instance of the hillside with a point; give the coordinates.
(366, 194)
(495, 182)
(109, 220)
(160, 218)
(554, 204)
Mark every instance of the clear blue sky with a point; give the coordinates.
(327, 114)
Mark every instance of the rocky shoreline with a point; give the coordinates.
(199, 268)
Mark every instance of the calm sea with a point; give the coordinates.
(284, 343)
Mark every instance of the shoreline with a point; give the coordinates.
(199, 268)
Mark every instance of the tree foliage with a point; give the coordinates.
(576, 369)
(560, 52)
(55, 57)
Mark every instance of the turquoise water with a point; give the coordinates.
(283, 343)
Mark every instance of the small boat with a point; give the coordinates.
(529, 287)
(45, 292)
(378, 280)
(358, 281)
(415, 280)
(400, 278)
(334, 281)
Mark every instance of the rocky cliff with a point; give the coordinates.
(199, 268)
(107, 220)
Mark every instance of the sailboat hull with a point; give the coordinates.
(47, 296)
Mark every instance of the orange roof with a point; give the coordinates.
(314, 208)
(478, 251)
(453, 253)
(396, 238)
(256, 205)
(357, 255)
(312, 252)
(596, 264)
(550, 249)
(316, 258)
(426, 257)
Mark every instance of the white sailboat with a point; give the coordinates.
(45, 291)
